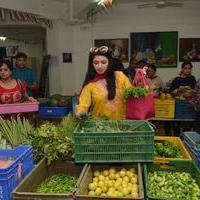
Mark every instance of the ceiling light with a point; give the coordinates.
(2, 38)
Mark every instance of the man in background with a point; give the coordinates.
(23, 73)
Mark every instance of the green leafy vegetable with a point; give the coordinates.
(166, 149)
(53, 141)
(135, 92)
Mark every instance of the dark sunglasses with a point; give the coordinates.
(102, 49)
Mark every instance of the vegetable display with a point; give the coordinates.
(166, 149)
(173, 185)
(53, 141)
(110, 126)
(135, 92)
(16, 131)
(111, 182)
(59, 183)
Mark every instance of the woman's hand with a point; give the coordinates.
(31, 99)
(81, 115)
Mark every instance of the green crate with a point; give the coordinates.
(119, 145)
(173, 166)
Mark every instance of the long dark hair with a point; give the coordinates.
(6, 62)
(110, 77)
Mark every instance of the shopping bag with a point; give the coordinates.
(140, 79)
(140, 108)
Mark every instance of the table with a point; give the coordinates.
(174, 127)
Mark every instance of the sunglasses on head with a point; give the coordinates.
(102, 49)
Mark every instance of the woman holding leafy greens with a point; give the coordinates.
(103, 87)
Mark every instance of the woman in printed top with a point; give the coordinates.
(184, 83)
(11, 90)
(156, 84)
(103, 87)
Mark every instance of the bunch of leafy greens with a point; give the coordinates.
(135, 92)
(53, 141)
(59, 183)
(166, 149)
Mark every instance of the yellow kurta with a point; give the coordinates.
(95, 94)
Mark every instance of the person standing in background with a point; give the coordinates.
(22, 72)
(184, 83)
(131, 69)
(155, 81)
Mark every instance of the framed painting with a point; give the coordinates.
(120, 47)
(158, 48)
(189, 49)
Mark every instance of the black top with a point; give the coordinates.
(131, 73)
(180, 81)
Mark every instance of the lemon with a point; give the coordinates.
(95, 179)
(92, 186)
(101, 183)
(91, 193)
(111, 176)
(101, 177)
(126, 179)
(133, 180)
(134, 195)
(96, 173)
(98, 191)
(134, 188)
(104, 189)
(122, 173)
(105, 173)
(112, 171)
(132, 170)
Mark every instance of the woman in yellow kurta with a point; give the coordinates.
(103, 87)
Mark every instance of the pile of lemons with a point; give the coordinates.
(115, 183)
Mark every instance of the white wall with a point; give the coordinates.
(59, 40)
(123, 19)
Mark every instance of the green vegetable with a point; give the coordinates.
(109, 126)
(59, 183)
(166, 149)
(173, 185)
(135, 92)
(53, 141)
(16, 131)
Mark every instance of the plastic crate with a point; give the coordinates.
(11, 176)
(175, 166)
(179, 143)
(82, 189)
(164, 108)
(26, 189)
(19, 107)
(183, 110)
(121, 146)
(194, 155)
(193, 139)
(49, 111)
